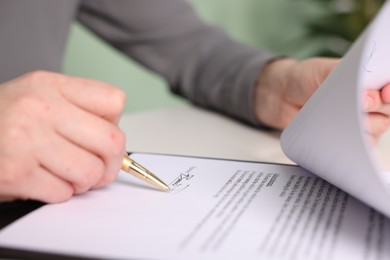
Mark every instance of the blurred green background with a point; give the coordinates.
(298, 28)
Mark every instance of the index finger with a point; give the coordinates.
(94, 96)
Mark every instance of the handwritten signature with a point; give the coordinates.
(180, 182)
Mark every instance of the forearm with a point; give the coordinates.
(198, 61)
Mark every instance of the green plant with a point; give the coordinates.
(341, 23)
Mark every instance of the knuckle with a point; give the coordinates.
(38, 76)
(28, 109)
(119, 97)
(23, 118)
(108, 178)
(91, 173)
(12, 137)
(42, 81)
(85, 181)
(27, 103)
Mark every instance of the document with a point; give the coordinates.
(217, 209)
(334, 205)
(328, 137)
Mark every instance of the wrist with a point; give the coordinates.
(270, 87)
(276, 72)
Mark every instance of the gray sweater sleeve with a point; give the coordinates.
(199, 62)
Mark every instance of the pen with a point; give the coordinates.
(134, 168)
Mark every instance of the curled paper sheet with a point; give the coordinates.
(327, 136)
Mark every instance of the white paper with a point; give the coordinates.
(327, 136)
(218, 209)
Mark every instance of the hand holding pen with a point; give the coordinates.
(60, 136)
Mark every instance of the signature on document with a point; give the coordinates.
(182, 181)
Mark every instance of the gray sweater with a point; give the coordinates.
(198, 61)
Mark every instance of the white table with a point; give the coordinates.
(194, 131)
(197, 132)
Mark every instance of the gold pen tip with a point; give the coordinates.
(128, 165)
(166, 188)
(156, 181)
(160, 184)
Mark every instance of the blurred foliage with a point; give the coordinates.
(341, 24)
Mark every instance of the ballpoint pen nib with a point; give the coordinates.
(155, 181)
(130, 166)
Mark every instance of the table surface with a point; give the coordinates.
(193, 131)
(197, 132)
